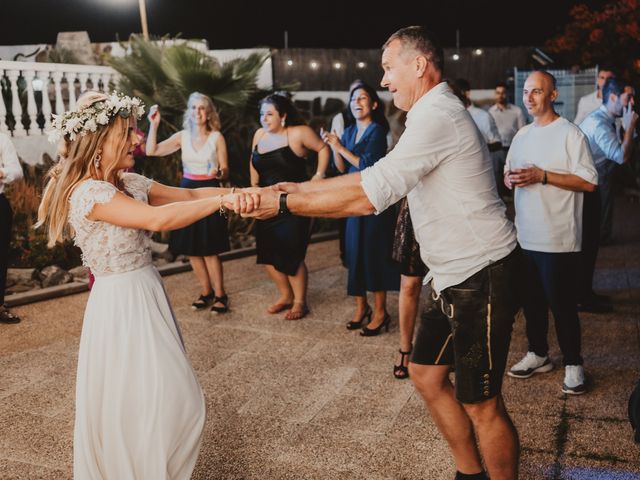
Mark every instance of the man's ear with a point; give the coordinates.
(554, 95)
(421, 65)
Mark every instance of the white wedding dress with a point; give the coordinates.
(139, 408)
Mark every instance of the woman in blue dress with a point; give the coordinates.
(368, 239)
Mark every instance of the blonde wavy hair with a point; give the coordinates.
(76, 163)
(213, 119)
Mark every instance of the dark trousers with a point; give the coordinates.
(549, 282)
(605, 185)
(590, 244)
(6, 215)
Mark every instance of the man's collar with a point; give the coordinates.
(430, 94)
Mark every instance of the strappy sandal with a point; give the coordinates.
(401, 371)
(360, 323)
(224, 300)
(297, 315)
(203, 301)
(7, 317)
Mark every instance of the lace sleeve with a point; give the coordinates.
(88, 194)
(137, 183)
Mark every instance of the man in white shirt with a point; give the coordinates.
(608, 152)
(443, 167)
(10, 171)
(509, 118)
(592, 101)
(487, 126)
(550, 165)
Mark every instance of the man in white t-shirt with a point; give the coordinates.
(508, 117)
(442, 166)
(550, 165)
(592, 101)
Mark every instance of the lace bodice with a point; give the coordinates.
(108, 248)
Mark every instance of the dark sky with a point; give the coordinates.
(328, 24)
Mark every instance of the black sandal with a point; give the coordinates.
(203, 301)
(401, 371)
(224, 300)
(360, 323)
(7, 317)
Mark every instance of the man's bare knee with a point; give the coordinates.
(430, 380)
(485, 411)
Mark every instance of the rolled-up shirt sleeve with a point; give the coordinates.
(9, 163)
(423, 145)
(581, 160)
(607, 141)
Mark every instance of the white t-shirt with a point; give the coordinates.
(508, 120)
(443, 167)
(587, 104)
(548, 218)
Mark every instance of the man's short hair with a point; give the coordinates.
(612, 85)
(501, 84)
(463, 84)
(418, 38)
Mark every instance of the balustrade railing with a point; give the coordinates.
(32, 91)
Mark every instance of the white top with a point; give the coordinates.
(508, 121)
(202, 161)
(587, 104)
(337, 124)
(9, 163)
(548, 218)
(600, 129)
(443, 167)
(485, 123)
(108, 248)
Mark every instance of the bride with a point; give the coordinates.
(139, 408)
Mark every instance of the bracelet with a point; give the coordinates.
(319, 174)
(282, 202)
(544, 177)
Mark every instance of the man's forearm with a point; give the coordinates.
(346, 201)
(330, 183)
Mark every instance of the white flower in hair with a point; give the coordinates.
(86, 120)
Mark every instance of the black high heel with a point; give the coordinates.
(401, 371)
(203, 301)
(224, 300)
(356, 325)
(372, 332)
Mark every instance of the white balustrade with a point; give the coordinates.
(39, 76)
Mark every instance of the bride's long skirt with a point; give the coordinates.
(139, 408)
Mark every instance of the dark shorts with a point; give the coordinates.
(469, 327)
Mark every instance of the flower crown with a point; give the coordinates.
(85, 120)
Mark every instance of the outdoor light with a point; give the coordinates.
(478, 51)
(337, 65)
(290, 62)
(361, 64)
(455, 57)
(314, 65)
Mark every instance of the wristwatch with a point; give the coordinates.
(283, 210)
(544, 177)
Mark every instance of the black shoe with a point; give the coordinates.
(595, 306)
(372, 332)
(356, 325)
(203, 301)
(7, 317)
(224, 300)
(401, 371)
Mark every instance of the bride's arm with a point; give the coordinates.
(160, 194)
(126, 212)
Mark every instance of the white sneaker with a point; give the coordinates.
(574, 380)
(530, 364)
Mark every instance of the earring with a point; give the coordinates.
(282, 123)
(96, 159)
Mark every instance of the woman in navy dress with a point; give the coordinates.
(369, 239)
(280, 149)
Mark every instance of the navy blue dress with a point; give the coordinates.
(369, 239)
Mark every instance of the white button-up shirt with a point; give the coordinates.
(600, 129)
(485, 123)
(443, 167)
(587, 104)
(9, 163)
(508, 120)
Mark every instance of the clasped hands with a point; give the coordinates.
(523, 177)
(258, 202)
